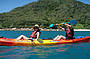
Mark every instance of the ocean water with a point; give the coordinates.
(62, 51)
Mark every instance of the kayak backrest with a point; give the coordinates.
(78, 37)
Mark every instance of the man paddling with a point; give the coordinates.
(69, 32)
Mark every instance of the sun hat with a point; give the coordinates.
(36, 25)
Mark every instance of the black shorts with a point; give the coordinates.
(67, 38)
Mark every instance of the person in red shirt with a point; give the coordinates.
(69, 32)
(36, 33)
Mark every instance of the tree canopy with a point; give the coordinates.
(46, 12)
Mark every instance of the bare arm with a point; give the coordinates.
(68, 25)
(38, 35)
(61, 28)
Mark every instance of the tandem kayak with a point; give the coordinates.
(15, 42)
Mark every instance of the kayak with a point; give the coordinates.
(15, 42)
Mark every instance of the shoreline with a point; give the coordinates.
(30, 29)
(81, 29)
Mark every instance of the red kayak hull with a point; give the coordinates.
(15, 42)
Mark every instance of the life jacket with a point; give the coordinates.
(34, 35)
(69, 32)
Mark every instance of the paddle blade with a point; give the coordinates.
(40, 40)
(51, 25)
(73, 22)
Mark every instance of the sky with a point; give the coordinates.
(8, 5)
(85, 1)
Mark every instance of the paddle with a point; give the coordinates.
(39, 40)
(51, 25)
(72, 22)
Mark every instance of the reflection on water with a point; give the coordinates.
(63, 51)
(31, 51)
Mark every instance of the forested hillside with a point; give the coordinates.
(45, 12)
